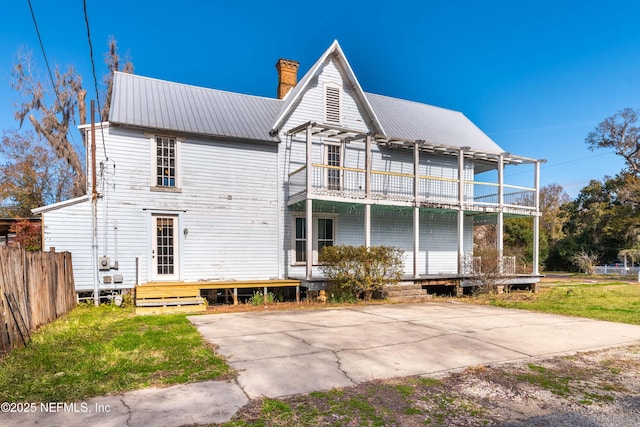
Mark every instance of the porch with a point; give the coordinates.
(405, 177)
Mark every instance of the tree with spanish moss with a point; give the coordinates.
(52, 110)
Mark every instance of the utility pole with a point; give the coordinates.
(94, 208)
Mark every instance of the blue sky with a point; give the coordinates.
(536, 76)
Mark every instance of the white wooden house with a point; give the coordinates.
(198, 185)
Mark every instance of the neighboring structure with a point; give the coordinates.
(7, 229)
(204, 185)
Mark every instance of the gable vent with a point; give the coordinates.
(332, 104)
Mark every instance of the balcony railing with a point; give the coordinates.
(394, 186)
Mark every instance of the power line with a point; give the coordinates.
(95, 79)
(553, 165)
(46, 61)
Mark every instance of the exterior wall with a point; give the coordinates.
(69, 229)
(226, 211)
(438, 231)
(394, 227)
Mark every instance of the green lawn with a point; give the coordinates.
(94, 351)
(615, 302)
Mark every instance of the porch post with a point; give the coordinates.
(367, 225)
(500, 219)
(367, 167)
(536, 221)
(416, 240)
(461, 210)
(416, 208)
(309, 206)
(367, 192)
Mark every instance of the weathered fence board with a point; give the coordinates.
(43, 287)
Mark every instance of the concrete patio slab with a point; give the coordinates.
(278, 354)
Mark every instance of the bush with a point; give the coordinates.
(259, 298)
(585, 262)
(362, 271)
(28, 234)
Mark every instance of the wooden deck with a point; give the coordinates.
(186, 297)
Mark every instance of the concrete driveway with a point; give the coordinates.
(285, 353)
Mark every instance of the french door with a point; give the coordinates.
(164, 251)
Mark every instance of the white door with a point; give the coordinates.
(164, 251)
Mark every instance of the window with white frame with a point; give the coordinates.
(334, 162)
(166, 161)
(323, 235)
(300, 244)
(332, 103)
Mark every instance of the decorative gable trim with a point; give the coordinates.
(294, 95)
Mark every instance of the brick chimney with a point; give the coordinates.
(287, 76)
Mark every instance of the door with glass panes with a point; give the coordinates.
(164, 251)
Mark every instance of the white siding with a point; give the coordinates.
(69, 229)
(438, 230)
(394, 227)
(227, 205)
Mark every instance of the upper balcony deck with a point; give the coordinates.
(348, 184)
(458, 191)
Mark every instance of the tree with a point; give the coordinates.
(31, 174)
(552, 198)
(52, 110)
(114, 63)
(52, 120)
(621, 133)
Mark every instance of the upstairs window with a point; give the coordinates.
(332, 104)
(165, 161)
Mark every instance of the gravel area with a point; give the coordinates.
(600, 388)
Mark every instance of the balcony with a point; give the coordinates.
(349, 184)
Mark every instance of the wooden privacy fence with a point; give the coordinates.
(35, 288)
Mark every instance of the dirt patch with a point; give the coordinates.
(600, 388)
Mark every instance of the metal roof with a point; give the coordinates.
(158, 104)
(410, 120)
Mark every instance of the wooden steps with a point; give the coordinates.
(185, 297)
(169, 298)
(406, 292)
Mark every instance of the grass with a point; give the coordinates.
(95, 351)
(615, 302)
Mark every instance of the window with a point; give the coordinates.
(323, 235)
(301, 240)
(332, 104)
(333, 173)
(165, 162)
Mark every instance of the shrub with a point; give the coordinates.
(362, 271)
(585, 262)
(28, 234)
(259, 298)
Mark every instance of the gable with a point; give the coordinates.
(329, 98)
(332, 68)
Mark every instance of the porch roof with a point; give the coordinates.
(348, 135)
